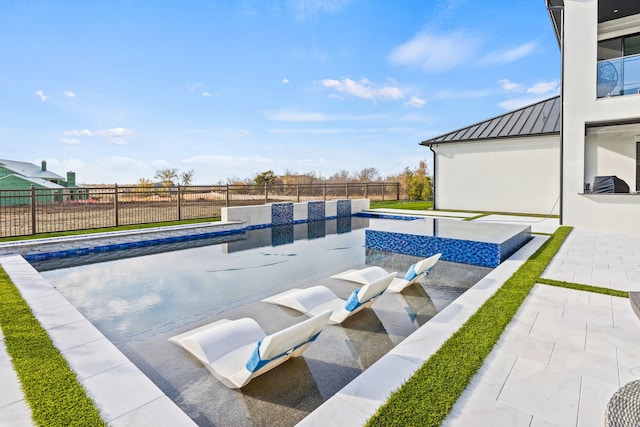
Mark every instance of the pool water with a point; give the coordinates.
(133, 297)
(139, 302)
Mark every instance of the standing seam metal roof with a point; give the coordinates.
(541, 118)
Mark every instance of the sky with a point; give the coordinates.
(115, 90)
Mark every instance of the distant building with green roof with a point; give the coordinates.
(15, 175)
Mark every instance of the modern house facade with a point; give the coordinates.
(509, 163)
(600, 136)
(598, 131)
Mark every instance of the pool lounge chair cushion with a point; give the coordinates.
(414, 274)
(315, 299)
(237, 351)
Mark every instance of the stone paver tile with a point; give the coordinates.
(121, 390)
(543, 391)
(477, 410)
(490, 379)
(569, 332)
(580, 363)
(594, 396)
(628, 365)
(17, 414)
(158, 413)
(94, 358)
(541, 422)
(518, 344)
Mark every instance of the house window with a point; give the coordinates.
(619, 66)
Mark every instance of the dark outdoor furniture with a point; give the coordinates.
(634, 298)
(609, 184)
(624, 407)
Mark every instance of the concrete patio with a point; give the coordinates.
(557, 364)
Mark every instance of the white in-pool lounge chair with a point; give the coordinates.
(236, 351)
(368, 274)
(316, 299)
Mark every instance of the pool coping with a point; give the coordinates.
(126, 396)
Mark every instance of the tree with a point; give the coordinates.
(368, 175)
(187, 177)
(266, 177)
(420, 184)
(167, 176)
(144, 182)
(340, 177)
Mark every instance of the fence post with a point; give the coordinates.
(346, 186)
(33, 209)
(324, 191)
(298, 192)
(115, 204)
(266, 193)
(226, 196)
(384, 184)
(397, 191)
(179, 203)
(366, 191)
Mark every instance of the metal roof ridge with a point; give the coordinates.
(443, 137)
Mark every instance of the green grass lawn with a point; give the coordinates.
(107, 229)
(401, 204)
(50, 386)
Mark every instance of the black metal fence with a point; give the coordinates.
(35, 211)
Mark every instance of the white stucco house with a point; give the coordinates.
(526, 160)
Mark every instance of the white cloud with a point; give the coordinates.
(206, 94)
(510, 86)
(76, 132)
(509, 55)
(70, 141)
(116, 136)
(435, 52)
(113, 135)
(415, 102)
(285, 80)
(41, 95)
(363, 89)
(544, 87)
(305, 9)
(69, 94)
(115, 132)
(193, 87)
(245, 132)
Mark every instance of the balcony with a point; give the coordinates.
(619, 76)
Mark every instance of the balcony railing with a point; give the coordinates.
(619, 76)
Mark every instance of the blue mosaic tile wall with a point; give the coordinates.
(281, 213)
(463, 251)
(316, 229)
(281, 234)
(511, 246)
(130, 245)
(343, 225)
(343, 208)
(315, 211)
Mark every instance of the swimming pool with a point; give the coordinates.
(139, 302)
